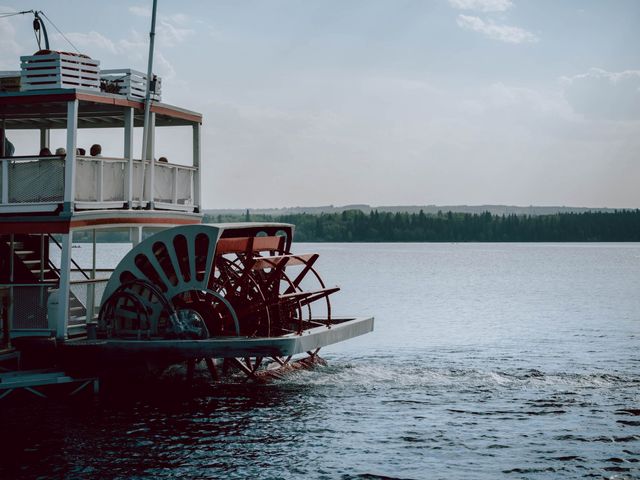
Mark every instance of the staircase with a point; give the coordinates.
(32, 265)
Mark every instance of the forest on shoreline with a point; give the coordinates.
(356, 226)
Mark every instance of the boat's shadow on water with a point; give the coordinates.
(173, 387)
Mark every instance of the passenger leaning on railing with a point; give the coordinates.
(45, 152)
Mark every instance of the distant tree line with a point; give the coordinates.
(356, 226)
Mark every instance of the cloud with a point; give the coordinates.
(604, 95)
(164, 67)
(503, 33)
(140, 11)
(172, 29)
(88, 41)
(8, 44)
(527, 102)
(169, 35)
(482, 5)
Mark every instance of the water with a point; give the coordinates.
(488, 360)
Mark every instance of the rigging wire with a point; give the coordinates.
(59, 31)
(13, 14)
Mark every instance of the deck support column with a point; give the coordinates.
(128, 154)
(70, 160)
(5, 166)
(10, 306)
(63, 290)
(135, 234)
(45, 138)
(2, 136)
(197, 165)
(91, 287)
(151, 139)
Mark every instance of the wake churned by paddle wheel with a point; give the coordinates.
(214, 281)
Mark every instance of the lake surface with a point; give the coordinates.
(487, 361)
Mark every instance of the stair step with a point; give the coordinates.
(16, 245)
(38, 271)
(23, 252)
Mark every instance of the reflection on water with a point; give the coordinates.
(517, 361)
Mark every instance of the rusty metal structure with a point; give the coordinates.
(219, 293)
(210, 281)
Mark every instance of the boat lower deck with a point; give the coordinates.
(222, 347)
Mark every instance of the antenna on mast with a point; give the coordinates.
(147, 107)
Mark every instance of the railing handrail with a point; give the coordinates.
(137, 160)
(169, 165)
(10, 285)
(96, 269)
(33, 157)
(86, 282)
(100, 159)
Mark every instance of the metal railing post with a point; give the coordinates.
(99, 193)
(5, 182)
(174, 178)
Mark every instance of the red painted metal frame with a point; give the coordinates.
(63, 225)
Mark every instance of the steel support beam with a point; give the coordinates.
(128, 153)
(151, 138)
(70, 160)
(45, 138)
(63, 291)
(197, 163)
(5, 166)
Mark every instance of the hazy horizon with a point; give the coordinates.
(430, 206)
(379, 102)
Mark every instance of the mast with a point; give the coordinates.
(147, 107)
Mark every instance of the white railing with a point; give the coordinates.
(30, 310)
(173, 187)
(100, 181)
(31, 180)
(37, 184)
(27, 307)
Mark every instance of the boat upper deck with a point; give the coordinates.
(70, 187)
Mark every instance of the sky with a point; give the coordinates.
(382, 102)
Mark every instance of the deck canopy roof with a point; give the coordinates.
(48, 109)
